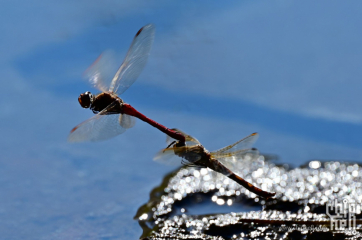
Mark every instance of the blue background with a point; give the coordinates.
(290, 70)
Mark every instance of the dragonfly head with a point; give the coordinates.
(86, 99)
(180, 144)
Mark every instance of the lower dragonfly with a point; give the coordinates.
(194, 154)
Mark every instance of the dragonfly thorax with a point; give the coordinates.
(192, 154)
(86, 99)
(104, 100)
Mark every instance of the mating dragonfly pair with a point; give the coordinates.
(114, 116)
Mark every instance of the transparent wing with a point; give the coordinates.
(99, 73)
(135, 60)
(237, 160)
(237, 154)
(99, 127)
(244, 143)
(127, 121)
(168, 157)
(190, 141)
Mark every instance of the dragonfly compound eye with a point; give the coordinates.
(85, 99)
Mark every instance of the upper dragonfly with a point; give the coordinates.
(194, 154)
(113, 115)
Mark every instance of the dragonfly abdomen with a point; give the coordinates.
(219, 167)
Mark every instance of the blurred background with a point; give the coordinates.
(218, 70)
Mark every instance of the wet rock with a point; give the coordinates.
(297, 212)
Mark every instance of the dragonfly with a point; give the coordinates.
(194, 154)
(113, 115)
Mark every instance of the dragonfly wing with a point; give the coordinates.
(127, 121)
(98, 74)
(98, 127)
(235, 161)
(238, 154)
(244, 143)
(135, 60)
(168, 157)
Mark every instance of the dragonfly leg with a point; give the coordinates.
(171, 144)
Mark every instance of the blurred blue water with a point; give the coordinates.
(219, 71)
